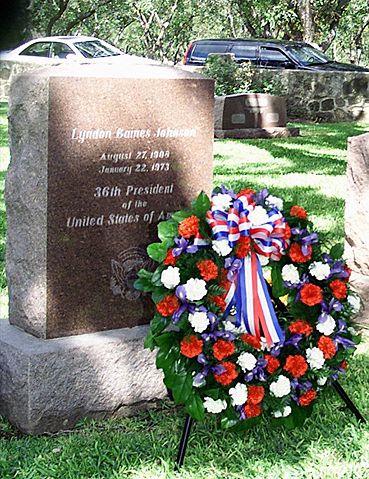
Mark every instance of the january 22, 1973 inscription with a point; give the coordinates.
(119, 162)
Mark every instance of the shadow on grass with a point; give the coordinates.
(146, 446)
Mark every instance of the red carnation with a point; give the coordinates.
(251, 340)
(168, 305)
(310, 294)
(306, 398)
(248, 192)
(348, 271)
(208, 269)
(300, 326)
(343, 364)
(298, 212)
(170, 259)
(287, 232)
(189, 227)
(243, 247)
(339, 289)
(219, 301)
(222, 349)
(228, 376)
(327, 346)
(252, 410)
(295, 253)
(255, 394)
(191, 346)
(273, 363)
(296, 365)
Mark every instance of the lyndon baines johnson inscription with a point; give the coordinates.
(123, 154)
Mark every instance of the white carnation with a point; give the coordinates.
(247, 361)
(199, 321)
(195, 289)
(238, 394)
(327, 327)
(321, 381)
(354, 302)
(315, 358)
(320, 270)
(170, 277)
(214, 406)
(286, 412)
(274, 201)
(221, 247)
(222, 201)
(230, 326)
(258, 216)
(290, 274)
(281, 387)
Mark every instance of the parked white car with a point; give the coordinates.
(69, 48)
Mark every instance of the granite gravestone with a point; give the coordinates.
(357, 218)
(121, 155)
(98, 157)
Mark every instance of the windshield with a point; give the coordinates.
(307, 55)
(97, 49)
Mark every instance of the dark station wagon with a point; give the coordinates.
(266, 54)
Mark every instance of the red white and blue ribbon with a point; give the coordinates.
(248, 292)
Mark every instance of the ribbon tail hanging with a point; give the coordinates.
(254, 306)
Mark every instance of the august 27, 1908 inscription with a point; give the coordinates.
(124, 152)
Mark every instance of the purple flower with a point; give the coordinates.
(183, 246)
(294, 340)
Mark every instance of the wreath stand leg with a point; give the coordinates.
(349, 404)
(184, 440)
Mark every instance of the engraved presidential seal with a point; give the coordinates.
(124, 272)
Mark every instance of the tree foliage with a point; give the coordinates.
(162, 29)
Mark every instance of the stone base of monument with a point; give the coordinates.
(361, 284)
(274, 132)
(48, 385)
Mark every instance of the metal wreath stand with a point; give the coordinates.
(189, 420)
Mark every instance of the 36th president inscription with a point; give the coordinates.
(123, 154)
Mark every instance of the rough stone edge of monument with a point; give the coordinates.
(277, 132)
(26, 183)
(37, 376)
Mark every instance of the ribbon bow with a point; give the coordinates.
(248, 291)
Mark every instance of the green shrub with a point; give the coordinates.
(231, 77)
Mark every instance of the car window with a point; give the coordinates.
(60, 50)
(39, 49)
(202, 50)
(244, 52)
(96, 49)
(272, 54)
(307, 55)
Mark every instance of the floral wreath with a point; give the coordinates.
(231, 343)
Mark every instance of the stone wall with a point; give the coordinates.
(325, 96)
(321, 96)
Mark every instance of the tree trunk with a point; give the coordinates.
(305, 9)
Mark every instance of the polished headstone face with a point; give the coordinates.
(123, 153)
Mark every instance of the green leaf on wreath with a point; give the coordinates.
(195, 407)
(156, 277)
(158, 251)
(167, 230)
(158, 324)
(149, 341)
(158, 294)
(144, 281)
(165, 359)
(181, 215)
(336, 252)
(201, 205)
(182, 388)
(166, 340)
(278, 287)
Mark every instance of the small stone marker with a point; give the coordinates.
(99, 155)
(119, 153)
(357, 217)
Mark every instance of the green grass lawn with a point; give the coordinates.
(331, 445)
